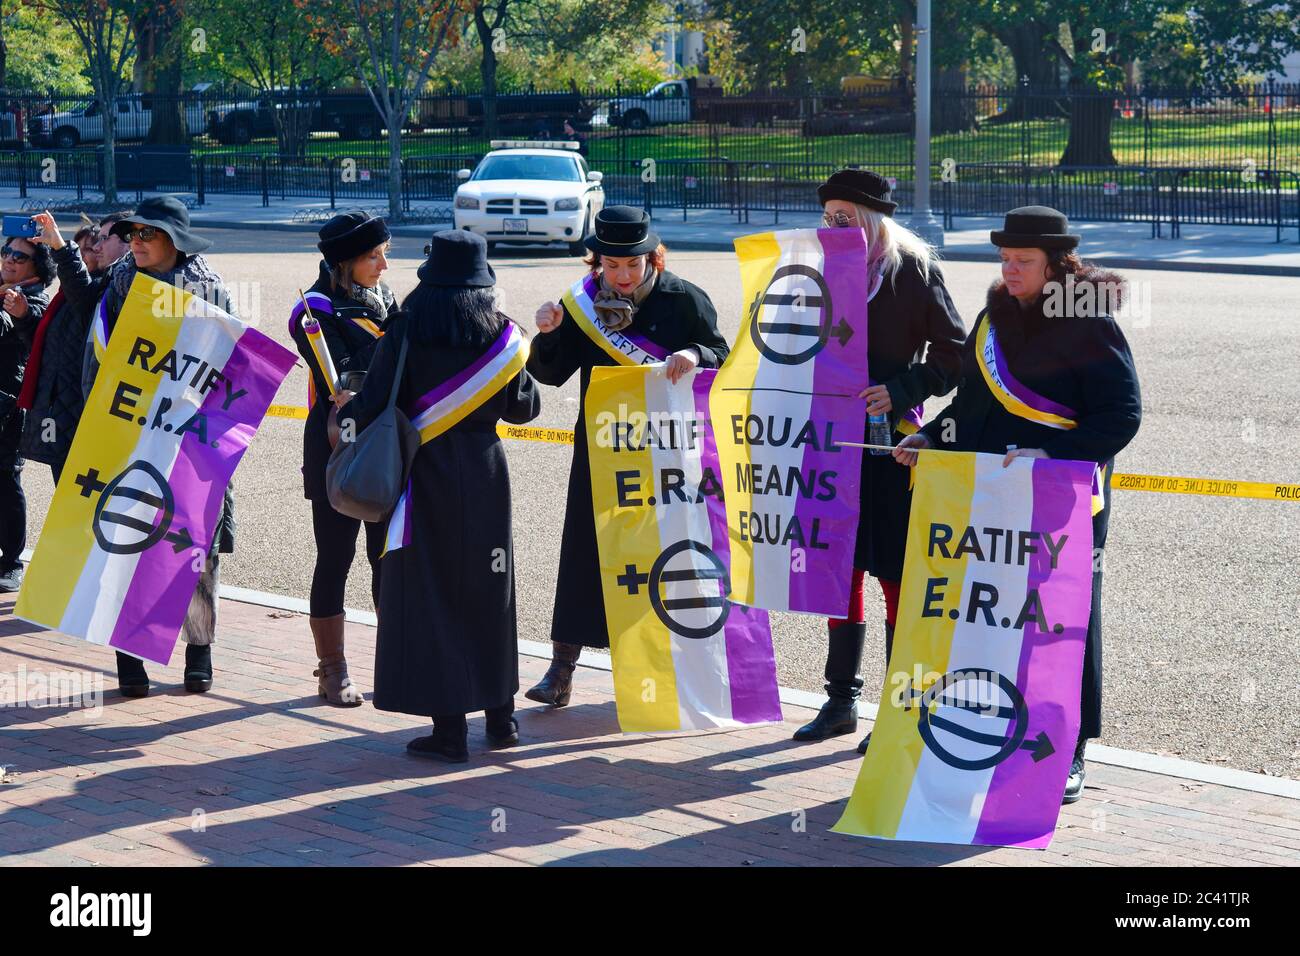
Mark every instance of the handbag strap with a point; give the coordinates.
(401, 368)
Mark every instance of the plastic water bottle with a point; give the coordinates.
(878, 433)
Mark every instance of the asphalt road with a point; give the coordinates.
(1202, 643)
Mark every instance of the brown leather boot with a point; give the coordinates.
(335, 685)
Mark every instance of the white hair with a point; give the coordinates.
(890, 240)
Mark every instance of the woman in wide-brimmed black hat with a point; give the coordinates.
(628, 297)
(914, 339)
(164, 247)
(446, 645)
(353, 307)
(1050, 316)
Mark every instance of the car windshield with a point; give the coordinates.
(561, 168)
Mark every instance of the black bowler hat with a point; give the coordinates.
(349, 235)
(1034, 227)
(168, 214)
(622, 231)
(859, 186)
(457, 258)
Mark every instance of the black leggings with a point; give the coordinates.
(336, 546)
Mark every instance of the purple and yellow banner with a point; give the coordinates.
(684, 656)
(181, 389)
(980, 712)
(787, 394)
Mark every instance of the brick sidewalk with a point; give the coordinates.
(274, 777)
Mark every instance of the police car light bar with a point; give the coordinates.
(533, 144)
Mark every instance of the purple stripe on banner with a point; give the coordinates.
(439, 392)
(822, 587)
(1021, 391)
(164, 581)
(751, 660)
(1024, 796)
(319, 306)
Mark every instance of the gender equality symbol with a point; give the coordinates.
(790, 300)
(685, 561)
(990, 686)
(151, 489)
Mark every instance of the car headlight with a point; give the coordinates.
(466, 202)
(566, 204)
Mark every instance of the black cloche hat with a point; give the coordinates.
(1034, 227)
(622, 231)
(457, 258)
(349, 235)
(168, 214)
(859, 186)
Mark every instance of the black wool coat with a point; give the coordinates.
(352, 348)
(15, 347)
(675, 315)
(447, 639)
(914, 342)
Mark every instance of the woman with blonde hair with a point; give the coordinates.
(914, 341)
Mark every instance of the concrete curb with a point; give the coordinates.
(1110, 756)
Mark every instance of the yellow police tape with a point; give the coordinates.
(1167, 484)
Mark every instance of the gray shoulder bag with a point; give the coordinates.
(365, 477)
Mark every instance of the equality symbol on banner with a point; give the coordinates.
(793, 303)
(703, 609)
(140, 534)
(994, 697)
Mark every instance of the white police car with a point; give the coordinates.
(530, 191)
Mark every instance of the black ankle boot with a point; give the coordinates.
(839, 715)
(557, 684)
(132, 680)
(1074, 782)
(448, 742)
(198, 668)
(502, 728)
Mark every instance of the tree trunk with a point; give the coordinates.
(107, 110)
(394, 163)
(952, 106)
(487, 69)
(158, 71)
(905, 52)
(1091, 114)
(1033, 100)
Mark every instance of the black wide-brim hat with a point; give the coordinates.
(622, 231)
(168, 214)
(1034, 227)
(458, 259)
(859, 186)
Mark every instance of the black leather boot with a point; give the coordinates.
(132, 680)
(502, 728)
(198, 668)
(889, 653)
(1074, 782)
(556, 685)
(839, 715)
(449, 741)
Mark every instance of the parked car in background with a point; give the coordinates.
(84, 123)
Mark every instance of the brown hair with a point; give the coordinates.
(1062, 261)
(658, 259)
(341, 274)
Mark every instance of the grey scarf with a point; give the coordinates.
(191, 273)
(373, 299)
(614, 309)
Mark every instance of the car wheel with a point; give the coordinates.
(636, 120)
(66, 138)
(241, 134)
(579, 248)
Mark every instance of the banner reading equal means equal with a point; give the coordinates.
(980, 711)
(787, 394)
(180, 392)
(684, 656)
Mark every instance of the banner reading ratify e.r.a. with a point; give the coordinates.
(980, 712)
(180, 391)
(787, 394)
(684, 656)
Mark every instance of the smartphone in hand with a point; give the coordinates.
(22, 227)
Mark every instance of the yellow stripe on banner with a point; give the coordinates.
(1165, 484)
(944, 486)
(585, 322)
(732, 394)
(645, 679)
(102, 450)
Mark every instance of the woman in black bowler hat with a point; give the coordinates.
(627, 298)
(914, 338)
(353, 307)
(1077, 359)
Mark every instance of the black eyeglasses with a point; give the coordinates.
(9, 252)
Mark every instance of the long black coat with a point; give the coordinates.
(58, 394)
(15, 347)
(675, 315)
(352, 348)
(905, 315)
(447, 640)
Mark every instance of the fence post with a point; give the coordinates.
(76, 164)
(202, 171)
(22, 173)
(1272, 129)
(266, 196)
(329, 170)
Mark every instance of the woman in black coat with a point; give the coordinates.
(352, 306)
(634, 300)
(914, 339)
(447, 641)
(1070, 350)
